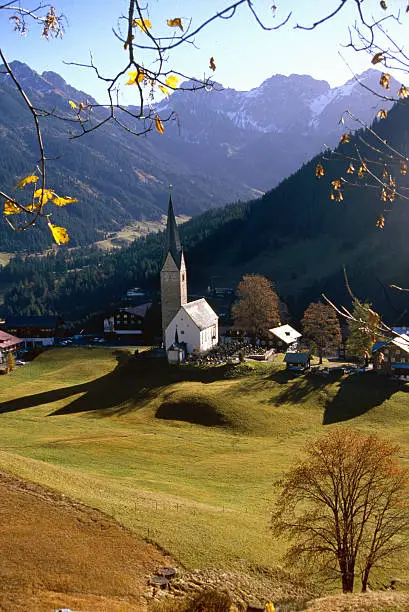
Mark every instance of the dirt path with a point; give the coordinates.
(56, 553)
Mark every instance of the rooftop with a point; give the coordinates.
(201, 313)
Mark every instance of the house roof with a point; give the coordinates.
(173, 244)
(7, 340)
(297, 357)
(137, 310)
(201, 313)
(401, 342)
(285, 333)
(33, 321)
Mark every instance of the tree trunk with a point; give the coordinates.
(365, 577)
(320, 356)
(347, 575)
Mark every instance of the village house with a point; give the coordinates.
(297, 362)
(9, 344)
(187, 327)
(127, 322)
(35, 331)
(392, 357)
(284, 338)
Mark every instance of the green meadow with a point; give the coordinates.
(185, 456)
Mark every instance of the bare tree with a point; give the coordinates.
(345, 506)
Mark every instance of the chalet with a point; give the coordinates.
(392, 357)
(9, 344)
(35, 331)
(297, 362)
(284, 337)
(128, 321)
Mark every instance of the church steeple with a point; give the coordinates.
(173, 281)
(173, 244)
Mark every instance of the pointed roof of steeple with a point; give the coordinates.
(173, 244)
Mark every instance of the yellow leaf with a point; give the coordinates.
(384, 80)
(270, 607)
(175, 23)
(350, 169)
(59, 233)
(212, 65)
(381, 222)
(10, 208)
(383, 5)
(159, 125)
(382, 114)
(25, 181)
(72, 104)
(403, 92)
(172, 81)
(383, 195)
(403, 168)
(164, 90)
(136, 77)
(385, 173)
(377, 58)
(332, 196)
(319, 170)
(336, 184)
(43, 195)
(142, 24)
(64, 201)
(338, 196)
(345, 137)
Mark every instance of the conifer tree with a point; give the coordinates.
(362, 330)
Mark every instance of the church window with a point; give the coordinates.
(183, 277)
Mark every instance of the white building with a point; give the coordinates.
(193, 325)
(196, 325)
(285, 336)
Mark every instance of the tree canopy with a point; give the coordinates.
(257, 308)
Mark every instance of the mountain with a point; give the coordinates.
(225, 146)
(295, 234)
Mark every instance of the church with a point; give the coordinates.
(187, 327)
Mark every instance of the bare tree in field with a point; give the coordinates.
(344, 506)
(257, 308)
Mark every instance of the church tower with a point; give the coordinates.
(173, 282)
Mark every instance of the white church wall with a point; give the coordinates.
(188, 332)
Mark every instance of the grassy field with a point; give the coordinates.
(184, 456)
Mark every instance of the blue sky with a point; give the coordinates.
(244, 54)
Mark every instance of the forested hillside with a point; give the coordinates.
(295, 234)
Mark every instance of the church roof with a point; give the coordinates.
(173, 244)
(201, 313)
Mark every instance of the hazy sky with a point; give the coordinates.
(244, 54)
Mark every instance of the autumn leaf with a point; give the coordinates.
(362, 170)
(25, 181)
(136, 77)
(403, 168)
(172, 81)
(164, 90)
(72, 104)
(350, 169)
(345, 137)
(385, 173)
(338, 196)
(336, 184)
(60, 234)
(385, 80)
(383, 5)
(142, 24)
(382, 114)
(43, 195)
(159, 125)
(378, 57)
(175, 23)
(319, 170)
(270, 607)
(332, 195)
(403, 92)
(381, 222)
(10, 208)
(383, 195)
(212, 65)
(63, 201)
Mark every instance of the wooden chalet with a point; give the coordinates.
(35, 331)
(392, 357)
(9, 344)
(127, 322)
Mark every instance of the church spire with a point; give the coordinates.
(173, 244)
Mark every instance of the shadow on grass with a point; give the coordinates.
(121, 391)
(358, 394)
(302, 386)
